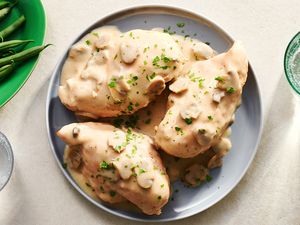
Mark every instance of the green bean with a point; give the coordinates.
(6, 70)
(11, 28)
(22, 56)
(4, 12)
(4, 4)
(12, 44)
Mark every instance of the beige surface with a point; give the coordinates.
(268, 194)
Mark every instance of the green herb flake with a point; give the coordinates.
(65, 165)
(145, 63)
(218, 78)
(180, 25)
(159, 197)
(133, 150)
(178, 129)
(104, 165)
(130, 108)
(230, 90)
(162, 185)
(112, 84)
(142, 171)
(88, 42)
(208, 178)
(112, 193)
(188, 121)
(210, 117)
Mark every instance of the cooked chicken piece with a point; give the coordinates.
(117, 164)
(109, 73)
(198, 115)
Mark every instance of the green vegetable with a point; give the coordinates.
(24, 55)
(13, 27)
(4, 4)
(6, 70)
(180, 24)
(188, 121)
(12, 44)
(230, 90)
(208, 178)
(6, 10)
(210, 117)
(104, 165)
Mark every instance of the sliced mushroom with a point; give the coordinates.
(101, 56)
(180, 85)
(73, 157)
(104, 41)
(123, 165)
(215, 161)
(218, 95)
(195, 174)
(116, 141)
(77, 49)
(157, 85)
(145, 180)
(191, 111)
(203, 135)
(129, 52)
(202, 51)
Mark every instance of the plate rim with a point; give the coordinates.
(124, 11)
(36, 62)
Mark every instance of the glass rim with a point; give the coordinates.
(287, 73)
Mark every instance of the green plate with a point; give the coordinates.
(34, 28)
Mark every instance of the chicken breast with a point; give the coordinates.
(117, 164)
(203, 103)
(109, 73)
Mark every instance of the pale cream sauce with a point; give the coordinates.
(195, 120)
(133, 171)
(109, 73)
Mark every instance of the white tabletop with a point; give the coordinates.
(270, 191)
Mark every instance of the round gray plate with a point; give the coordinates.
(245, 131)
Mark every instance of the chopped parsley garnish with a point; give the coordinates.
(155, 61)
(104, 165)
(150, 77)
(207, 43)
(95, 34)
(88, 42)
(130, 108)
(145, 62)
(210, 117)
(168, 30)
(230, 90)
(65, 165)
(159, 197)
(133, 150)
(180, 25)
(112, 193)
(178, 129)
(218, 78)
(208, 178)
(165, 58)
(142, 171)
(186, 36)
(112, 83)
(200, 80)
(188, 121)
(162, 185)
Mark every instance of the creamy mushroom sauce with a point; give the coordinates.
(109, 74)
(202, 104)
(118, 164)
